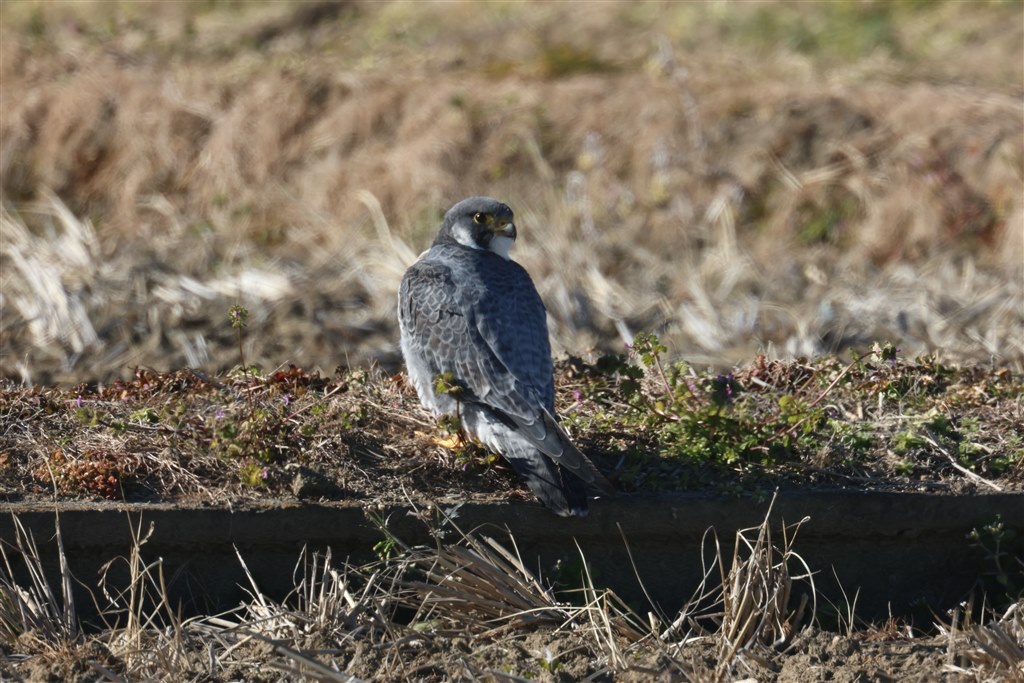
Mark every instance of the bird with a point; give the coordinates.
(471, 315)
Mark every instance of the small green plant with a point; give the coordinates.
(145, 415)
(940, 423)
(449, 424)
(471, 456)
(853, 438)
(906, 442)
(261, 432)
(238, 316)
(648, 348)
(254, 475)
(993, 539)
(265, 432)
(445, 383)
(884, 352)
(1009, 462)
(709, 419)
(904, 468)
(385, 548)
(548, 661)
(389, 546)
(90, 417)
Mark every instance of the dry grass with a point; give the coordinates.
(756, 595)
(876, 423)
(46, 620)
(467, 606)
(481, 586)
(735, 179)
(744, 606)
(473, 591)
(987, 651)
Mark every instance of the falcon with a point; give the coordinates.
(474, 338)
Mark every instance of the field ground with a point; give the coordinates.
(820, 202)
(876, 422)
(466, 607)
(786, 177)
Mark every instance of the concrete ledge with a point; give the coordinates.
(903, 551)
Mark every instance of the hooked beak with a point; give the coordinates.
(502, 229)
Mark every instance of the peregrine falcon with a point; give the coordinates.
(470, 314)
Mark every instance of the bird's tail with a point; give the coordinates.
(559, 490)
(548, 436)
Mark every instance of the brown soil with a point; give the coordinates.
(545, 655)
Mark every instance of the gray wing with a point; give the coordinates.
(442, 324)
(493, 340)
(513, 325)
(512, 322)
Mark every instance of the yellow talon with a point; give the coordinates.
(453, 441)
(450, 442)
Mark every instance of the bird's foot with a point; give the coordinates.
(450, 442)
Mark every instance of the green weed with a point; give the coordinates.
(995, 540)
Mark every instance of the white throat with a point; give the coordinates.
(500, 245)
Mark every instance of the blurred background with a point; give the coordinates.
(793, 178)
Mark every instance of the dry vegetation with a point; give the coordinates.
(468, 608)
(876, 422)
(792, 178)
(758, 183)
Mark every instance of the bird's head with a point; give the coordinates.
(480, 223)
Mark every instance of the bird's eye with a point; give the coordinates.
(479, 218)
